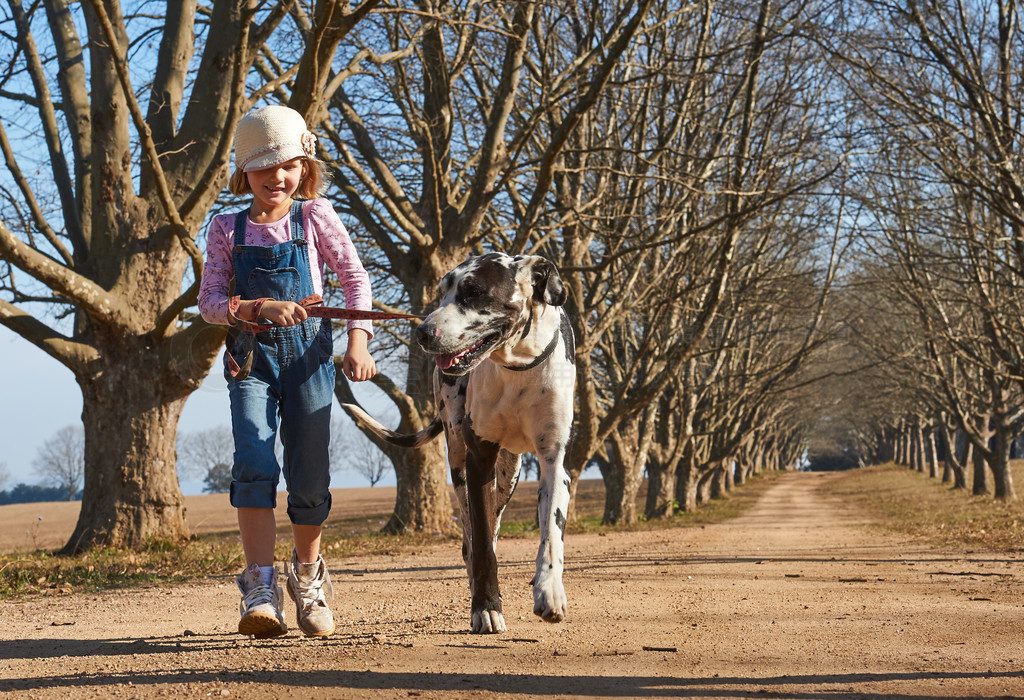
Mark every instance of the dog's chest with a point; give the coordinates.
(504, 413)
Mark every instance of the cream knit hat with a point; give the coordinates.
(271, 135)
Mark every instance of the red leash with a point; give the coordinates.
(314, 307)
(313, 304)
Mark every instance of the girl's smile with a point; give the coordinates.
(272, 189)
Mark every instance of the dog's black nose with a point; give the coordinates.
(423, 335)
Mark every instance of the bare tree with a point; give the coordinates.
(61, 460)
(201, 451)
(464, 113)
(218, 478)
(5, 474)
(943, 99)
(683, 159)
(100, 256)
(369, 462)
(350, 450)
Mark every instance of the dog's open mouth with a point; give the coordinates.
(464, 360)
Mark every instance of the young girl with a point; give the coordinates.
(271, 255)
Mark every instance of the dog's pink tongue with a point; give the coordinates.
(444, 361)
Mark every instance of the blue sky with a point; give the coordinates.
(40, 396)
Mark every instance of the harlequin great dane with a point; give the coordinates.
(503, 385)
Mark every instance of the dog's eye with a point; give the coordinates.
(470, 291)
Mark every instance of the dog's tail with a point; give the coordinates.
(367, 421)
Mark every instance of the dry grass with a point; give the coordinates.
(909, 502)
(41, 572)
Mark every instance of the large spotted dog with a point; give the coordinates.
(503, 385)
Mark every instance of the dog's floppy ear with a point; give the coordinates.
(547, 285)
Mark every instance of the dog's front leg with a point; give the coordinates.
(483, 518)
(549, 601)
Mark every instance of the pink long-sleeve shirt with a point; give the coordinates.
(328, 242)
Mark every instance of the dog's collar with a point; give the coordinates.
(540, 358)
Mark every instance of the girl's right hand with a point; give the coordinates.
(283, 313)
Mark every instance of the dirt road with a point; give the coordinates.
(797, 599)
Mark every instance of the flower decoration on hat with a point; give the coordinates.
(309, 143)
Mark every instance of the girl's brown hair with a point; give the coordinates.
(310, 186)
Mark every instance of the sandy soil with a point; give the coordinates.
(796, 599)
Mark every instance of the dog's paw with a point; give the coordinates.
(488, 622)
(549, 601)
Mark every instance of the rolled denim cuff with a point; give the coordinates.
(309, 515)
(254, 494)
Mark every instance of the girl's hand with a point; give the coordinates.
(283, 313)
(358, 365)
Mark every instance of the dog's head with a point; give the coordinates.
(486, 302)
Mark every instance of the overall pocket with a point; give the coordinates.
(280, 284)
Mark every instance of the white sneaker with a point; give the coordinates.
(262, 605)
(309, 585)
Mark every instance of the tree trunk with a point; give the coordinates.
(624, 472)
(687, 478)
(717, 486)
(953, 469)
(979, 484)
(673, 429)
(917, 458)
(931, 454)
(704, 486)
(661, 488)
(422, 502)
(130, 416)
(1000, 464)
(421, 495)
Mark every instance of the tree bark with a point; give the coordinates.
(130, 416)
(625, 470)
(688, 479)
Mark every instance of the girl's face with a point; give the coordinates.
(273, 187)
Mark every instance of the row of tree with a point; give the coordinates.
(933, 309)
(696, 171)
(667, 158)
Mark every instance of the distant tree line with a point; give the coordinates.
(36, 493)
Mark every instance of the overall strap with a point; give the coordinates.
(240, 219)
(296, 228)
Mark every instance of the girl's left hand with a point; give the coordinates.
(283, 313)
(358, 364)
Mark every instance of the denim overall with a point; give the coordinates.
(291, 380)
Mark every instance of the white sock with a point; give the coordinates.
(268, 575)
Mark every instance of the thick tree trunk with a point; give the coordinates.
(979, 482)
(421, 496)
(131, 495)
(953, 464)
(673, 429)
(917, 459)
(705, 486)
(422, 502)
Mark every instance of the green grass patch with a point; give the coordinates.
(908, 502)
